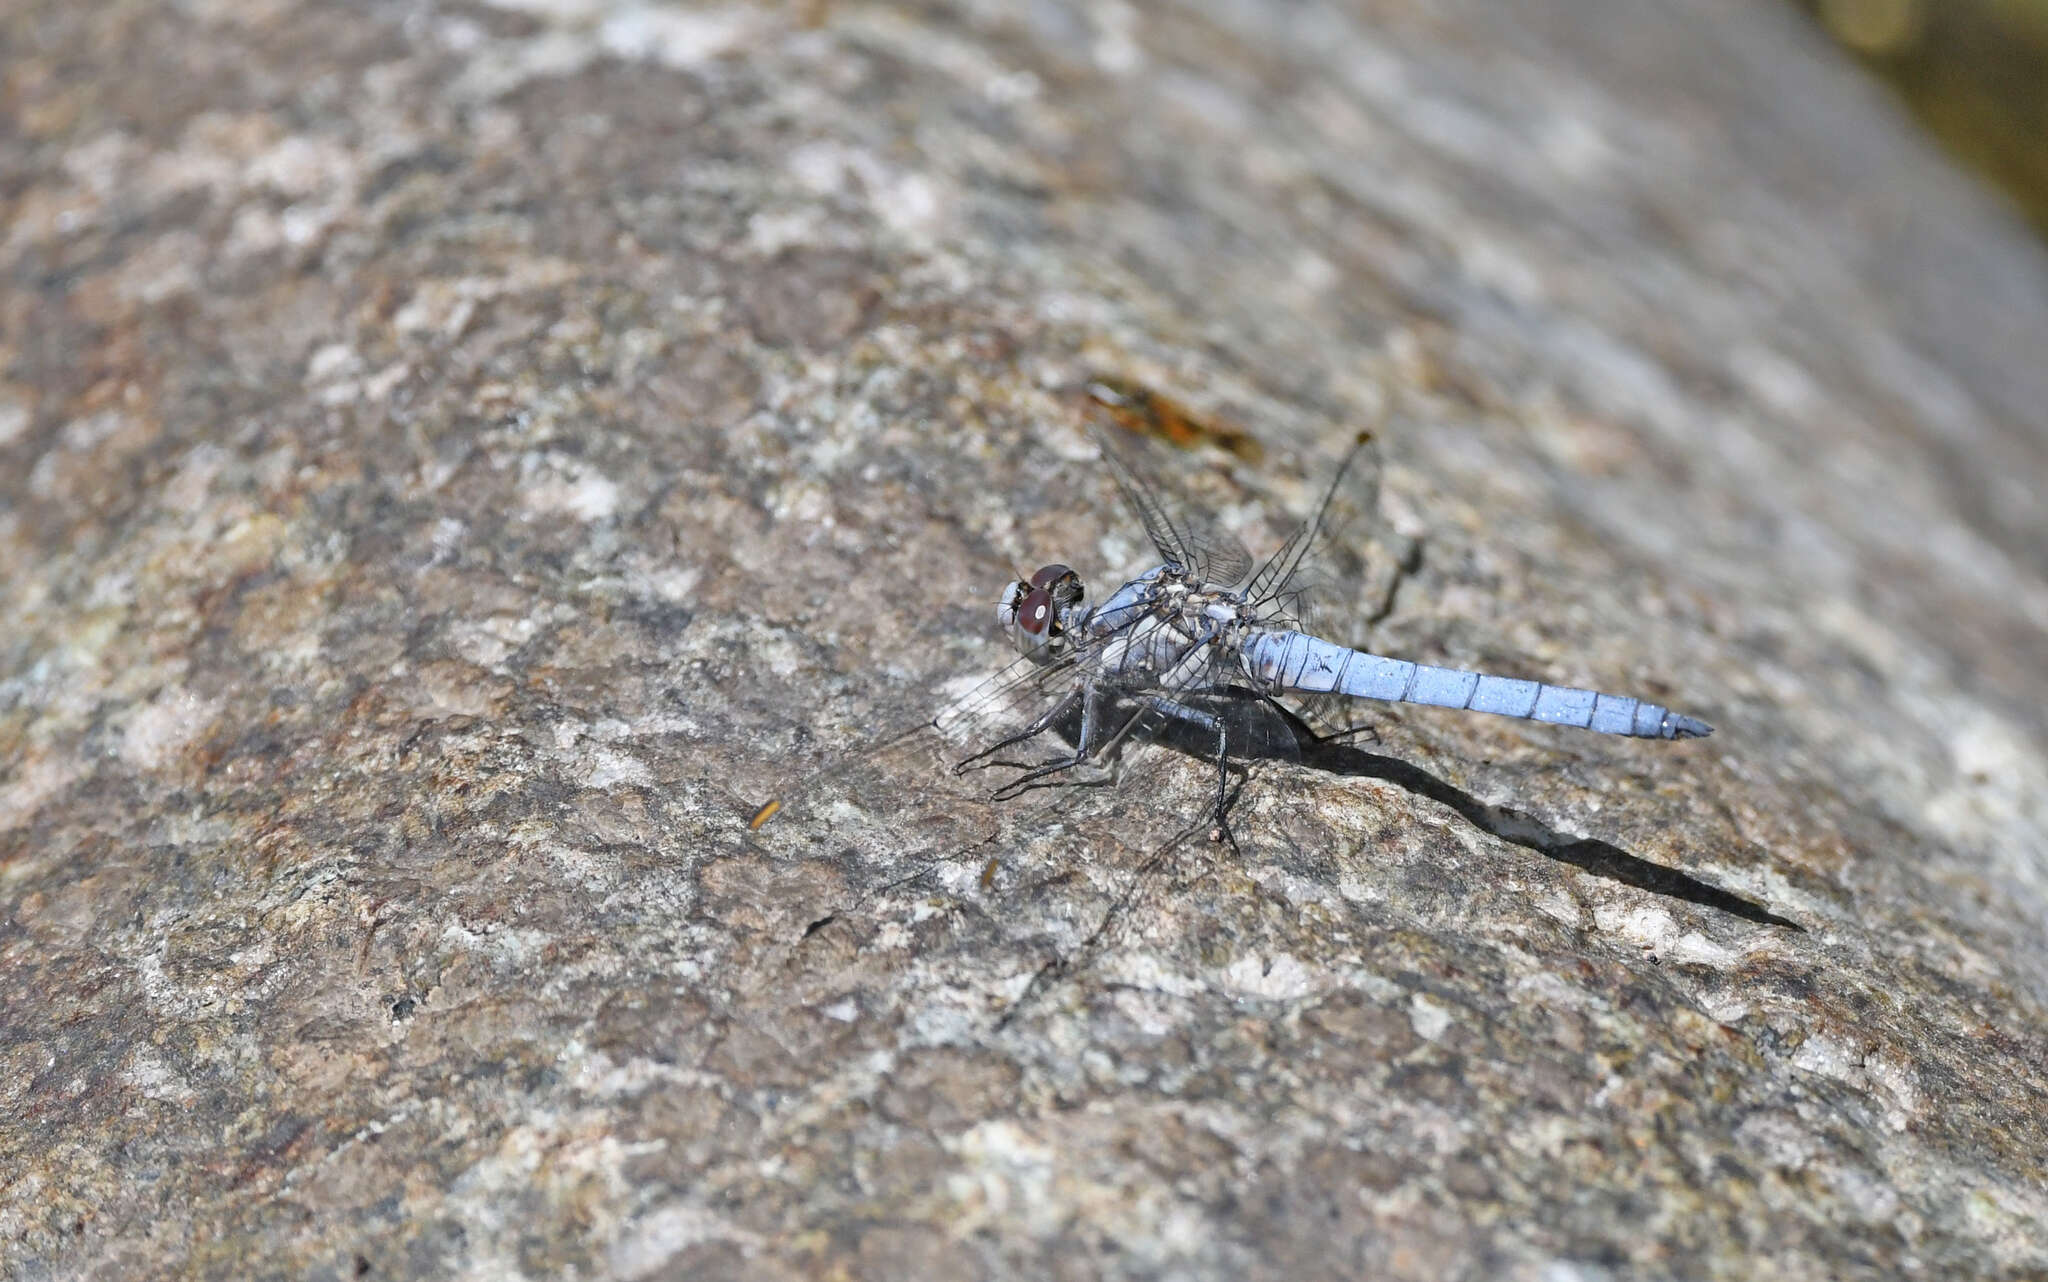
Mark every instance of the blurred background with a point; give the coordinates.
(1975, 72)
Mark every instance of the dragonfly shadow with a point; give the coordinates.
(1600, 858)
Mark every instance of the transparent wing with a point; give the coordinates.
(1190, 546)
(1336, 576)
(1232, 731)
(893, 809)
(1023, 701)
(1286, 580)
(1018, 694)
(1341, 567)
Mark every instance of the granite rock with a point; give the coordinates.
(457, 460)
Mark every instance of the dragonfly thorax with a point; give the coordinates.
(1160, 627)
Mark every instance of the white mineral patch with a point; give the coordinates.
(256, 956)
(1872, 1200)
(502, 66)
(590, 871)
(164, 269)
(187, 489)
(1008, 1170)
(666, 1232)
(1999, 797)
(609, 730)
(596, 1073)
(14, 418)
(1560, 907)
(1728, 1005)
(957, 688)
(213, 154)
(1775, 379)
(1115, 49)
(1895, 1075)
(1694, 949)
(1572, 1271)
(34, 783)
(1830, 1056)
(448, 534)
(1548, 989)
(301, 166)
(443, 307)
(302, 223)
(569, 487)
(820, 166)
(894, 936)
(332, 361)
(678, 38)
(82, 434)
(164, 726)
(1147, 970)
(671, 584)
(1573, 144)
(771, 231)
(1779, 1138)
(150, 1075)
(1016, 87)
(100, 164)
(606, 768)
(488, 642)
(1429, 1017)
(507, 946)
(166, 997)
(553, 10)
(1653, 929)
(1495, 265)
(1281, 979)
(909, 203)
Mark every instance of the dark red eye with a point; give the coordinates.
(1034, 612)
(1048, 575)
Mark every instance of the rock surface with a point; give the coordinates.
(456, 460)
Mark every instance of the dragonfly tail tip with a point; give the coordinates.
(1681, 727)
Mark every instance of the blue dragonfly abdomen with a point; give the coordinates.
(1298, 661)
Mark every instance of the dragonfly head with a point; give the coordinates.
(1033, 611)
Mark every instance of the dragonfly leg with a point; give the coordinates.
(1221, 727)
(1222, 830)
(1091, 701)
(1365, 728)
(1306, 722)
(1032, 731)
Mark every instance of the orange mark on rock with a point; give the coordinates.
(1137, 408)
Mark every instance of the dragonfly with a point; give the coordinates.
(1201, 650)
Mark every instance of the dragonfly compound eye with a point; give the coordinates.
(1031, 608)
(1025, 613)
(1060, 582)
(1034, 612)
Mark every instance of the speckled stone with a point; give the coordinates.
(457, 460)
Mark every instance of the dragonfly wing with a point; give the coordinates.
(911, 756)
(1338, 568)
(1205, 715)
(1220, 560)
(1005, 702)
(1326, 551)
(1193, 546)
